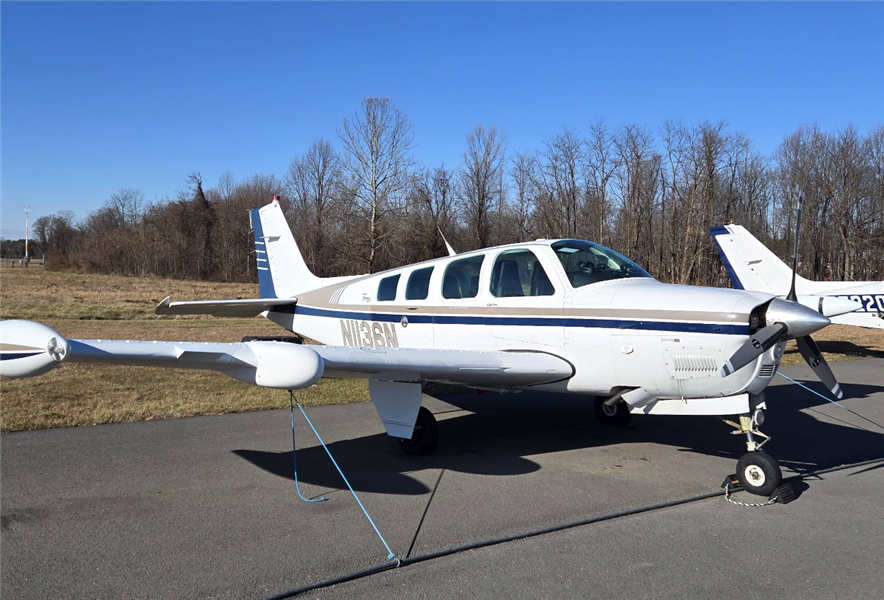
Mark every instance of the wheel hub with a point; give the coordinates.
(754, 475)
(609, 410)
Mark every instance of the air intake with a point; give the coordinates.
(767, 371)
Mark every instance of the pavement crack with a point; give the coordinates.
(424, 516)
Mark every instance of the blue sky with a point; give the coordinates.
(100, 96)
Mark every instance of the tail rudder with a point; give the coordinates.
(749, 263)
(282, 272)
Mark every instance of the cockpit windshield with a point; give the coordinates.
(585, 262)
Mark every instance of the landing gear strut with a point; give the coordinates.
(757, 472)
(425, 438)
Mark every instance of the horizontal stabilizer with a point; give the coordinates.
(225, 308)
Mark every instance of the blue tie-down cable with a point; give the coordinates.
(295, 455)
(391, 555)
(832, 401)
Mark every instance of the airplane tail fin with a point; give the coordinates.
(749, 263)
(282, 272)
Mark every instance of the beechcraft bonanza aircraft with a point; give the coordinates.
(751, 266)
(552, 315)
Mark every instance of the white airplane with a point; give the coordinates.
(752, 266)
(553, 315)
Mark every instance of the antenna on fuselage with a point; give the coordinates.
(451, 251)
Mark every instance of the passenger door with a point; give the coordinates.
(525, 298)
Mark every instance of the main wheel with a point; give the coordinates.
(758, 473)
(612, 415)
(425, 438)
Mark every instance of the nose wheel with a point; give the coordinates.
(757, 472)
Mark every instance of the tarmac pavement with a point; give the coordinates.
(205, 507)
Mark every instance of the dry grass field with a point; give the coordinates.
(102, 306)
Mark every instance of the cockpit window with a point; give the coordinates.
(462, 278)
(585, 263)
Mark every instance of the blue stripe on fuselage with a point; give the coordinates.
(721, 329)
(15, 355)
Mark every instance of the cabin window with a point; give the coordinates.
(462, 278)
(519, 273)
(586, 263)
(387, 288)
(418, 284)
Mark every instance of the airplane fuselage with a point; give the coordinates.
(632, 332)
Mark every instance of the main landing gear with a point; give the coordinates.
(757, 472)
(425, 438)
(612, 414)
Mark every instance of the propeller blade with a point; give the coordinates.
(755, 347)
(815, 361)
(792, 296)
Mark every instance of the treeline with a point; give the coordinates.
(362, 204)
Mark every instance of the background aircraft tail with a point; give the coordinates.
(282, 272)
(750, 264)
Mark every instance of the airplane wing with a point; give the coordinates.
(225, 308)
(395, 375)
(28, 348)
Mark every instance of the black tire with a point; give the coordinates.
(758, 473)
(612, 415)
(425, 438)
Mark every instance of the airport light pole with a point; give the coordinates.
(27, 210)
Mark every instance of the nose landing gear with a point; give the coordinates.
(757, 472)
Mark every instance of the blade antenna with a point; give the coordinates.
(792, 295)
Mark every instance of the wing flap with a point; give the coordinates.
(224, 308)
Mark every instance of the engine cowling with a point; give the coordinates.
(28, 349)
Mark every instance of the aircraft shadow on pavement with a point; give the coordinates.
(500, 431)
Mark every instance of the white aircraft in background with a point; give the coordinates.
(752, 266)
(552, 315)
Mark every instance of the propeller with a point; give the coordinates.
(788, 320)
(792, 295)
(755, 347)
(814, 358)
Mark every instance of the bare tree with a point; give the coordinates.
(480, 182)
(558, 176)
(377, 144)
(601, 164)
(429, 211)
(314, 183)
(523, 209)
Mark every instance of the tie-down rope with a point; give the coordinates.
(832, 401)
(294, 452)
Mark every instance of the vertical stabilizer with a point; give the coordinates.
(750, 264)
(282, 272)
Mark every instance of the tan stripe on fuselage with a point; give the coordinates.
(320, 299)
(6, 347)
